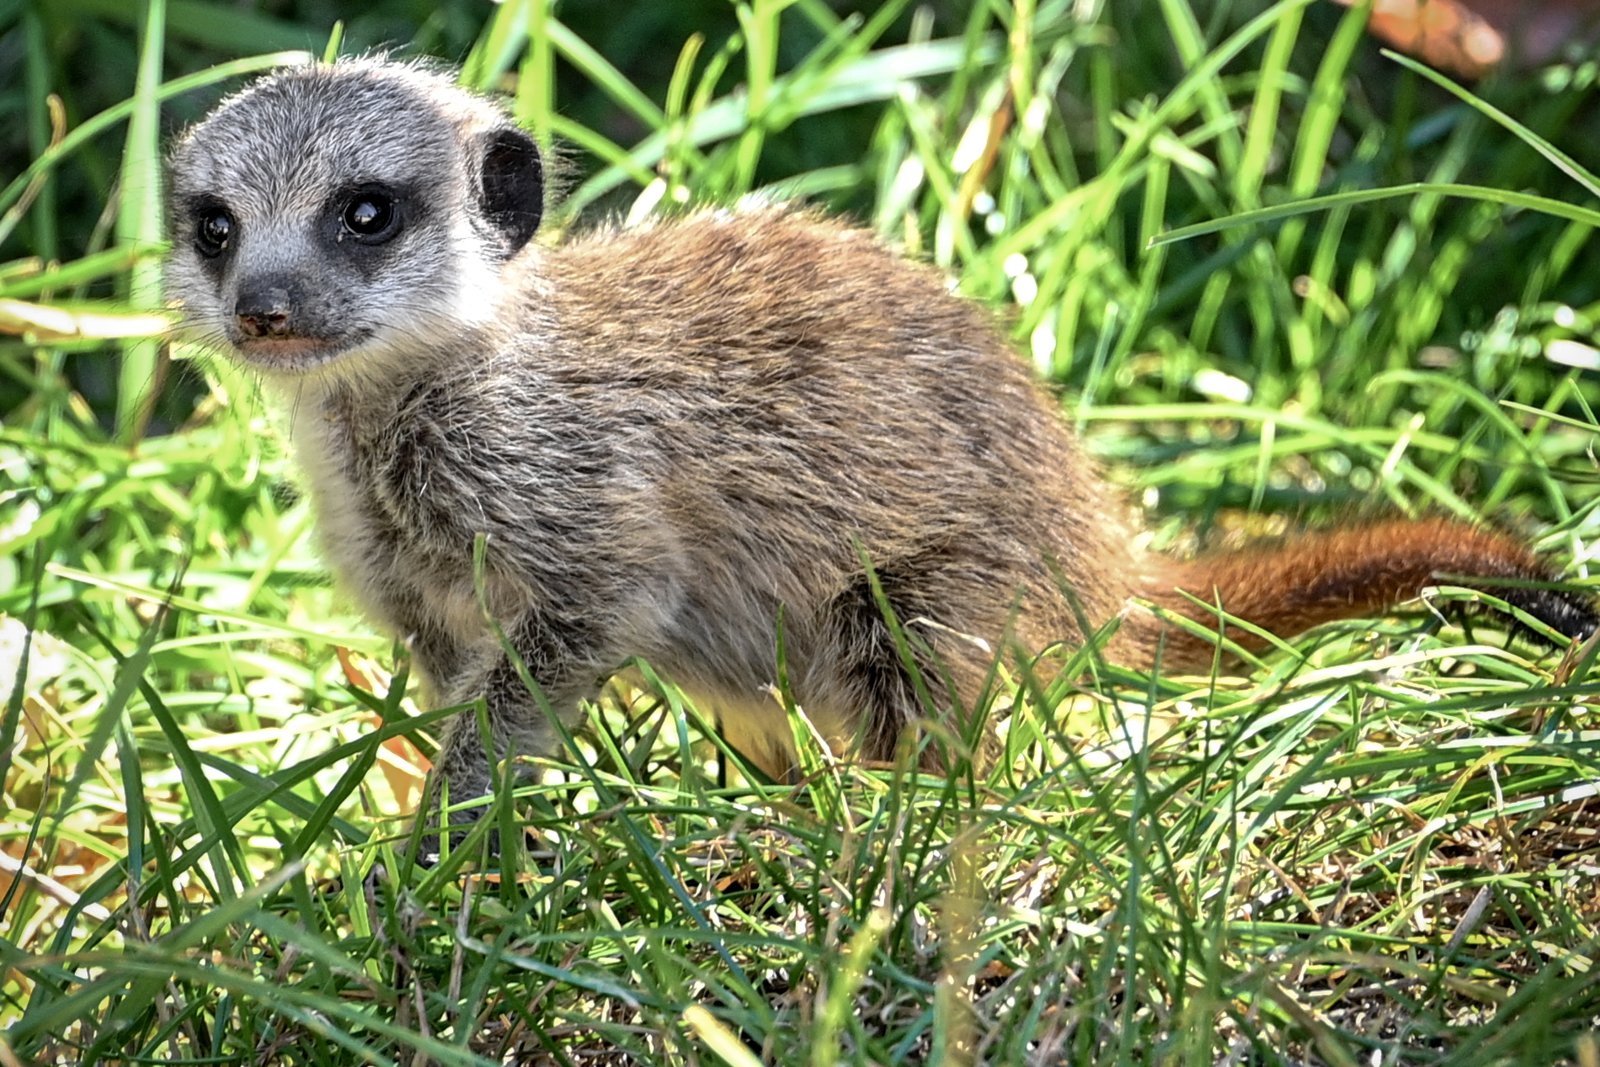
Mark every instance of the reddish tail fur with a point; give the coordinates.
(1318, 577)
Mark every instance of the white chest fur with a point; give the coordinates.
(377, 563)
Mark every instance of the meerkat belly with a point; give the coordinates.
(756, 723)
(722, 651)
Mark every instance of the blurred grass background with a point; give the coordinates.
(1378, 848)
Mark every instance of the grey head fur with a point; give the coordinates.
(363, 209)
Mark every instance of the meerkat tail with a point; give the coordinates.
(1322, 576)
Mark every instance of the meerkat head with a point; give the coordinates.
(347, 217)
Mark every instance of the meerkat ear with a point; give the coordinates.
(513, 185)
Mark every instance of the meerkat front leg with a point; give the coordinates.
(566, 666)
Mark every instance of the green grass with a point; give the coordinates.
(1379, 847)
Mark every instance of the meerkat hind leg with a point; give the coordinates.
(862, 687)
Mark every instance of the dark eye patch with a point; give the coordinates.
(212, 228)
(369, 213)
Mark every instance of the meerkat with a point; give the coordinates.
(675, 441)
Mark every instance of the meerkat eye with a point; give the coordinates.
(212, 231)
(370, 214)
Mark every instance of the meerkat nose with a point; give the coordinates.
(267, 308)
